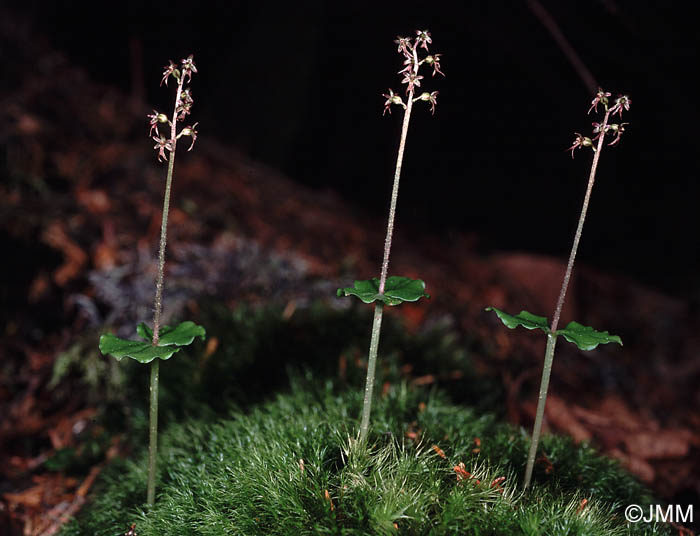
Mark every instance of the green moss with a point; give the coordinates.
(234, 432)
(243, 475)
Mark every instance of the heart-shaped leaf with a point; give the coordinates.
(172, 338)
(523, 318)
(143, 352)
(397, 289)
(585, 337)
(181, 335)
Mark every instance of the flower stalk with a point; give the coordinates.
(183, 103)
(409, 48)
(623, 102)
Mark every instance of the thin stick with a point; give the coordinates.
(563, 43)
(551, 337)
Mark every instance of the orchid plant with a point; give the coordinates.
(585, 337)
(395, 290)
(161, 342)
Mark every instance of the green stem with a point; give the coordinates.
(544, 385)
(371, 366)
(551, 337)
(153, 413)
(153, 433)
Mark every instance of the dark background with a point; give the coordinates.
(298, 85)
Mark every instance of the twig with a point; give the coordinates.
(553, 28)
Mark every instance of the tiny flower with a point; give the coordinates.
(580, 141)
(156, 118)
(412, 80)
(404, 43)
(170, 70)
(622, 101)
(600, 97)
(429, 97)
(184, 104)
(434, 60)
(161, 145)
(391, 98)
(190, 131)
(598, 129)
(188, 67)
(408, 62)
(423, 38)
(618, 130)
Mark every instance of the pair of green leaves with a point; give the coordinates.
(585, 337)
(397, 290)
(170, 340)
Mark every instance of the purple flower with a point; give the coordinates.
(408, 62)
(391, 98)
(434, 60)
(169, 70)
(423, 38)
(622, 101)
(184, 104)
(431, 98)
(190, 131)
(600, 97)
(412, 80)
(156, 118)
(188, 67)
(580, 141)
(405, 46)
(598, 129)
(618, 130)
(161, 145)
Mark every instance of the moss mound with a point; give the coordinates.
(290, 466)
(243, 452)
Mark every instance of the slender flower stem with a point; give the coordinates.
(579, 229)
(395, 193)
(153, 414)
(379, 307)
(164, 222)
(551, 337)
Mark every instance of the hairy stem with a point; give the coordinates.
(551, 338)
(164, 222)
(153, 433)
(544, 385)
(379, 306)
(158, 305)
(371, 366)
(579, 229)
(395, 193)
